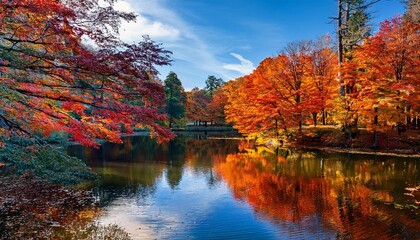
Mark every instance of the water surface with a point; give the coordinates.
(228, 189)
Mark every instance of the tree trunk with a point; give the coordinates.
(314, 117)
(350, 135)
(323, 117)
(340, 44)
(407, 117)
(375, 133)
(375, 140)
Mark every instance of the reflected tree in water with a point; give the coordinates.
(176, 155)
(356, 198)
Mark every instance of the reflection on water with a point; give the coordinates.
(227, 189)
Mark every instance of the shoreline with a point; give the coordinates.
(363, 151)
(405, 153)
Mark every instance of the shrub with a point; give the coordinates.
(46, 161)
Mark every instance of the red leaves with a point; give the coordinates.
(50, 81)
(74, 107)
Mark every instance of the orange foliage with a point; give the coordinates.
(196, 105)
(380, 79)
(216, 106)
(389, 66)
(282, 191)
(283, 90)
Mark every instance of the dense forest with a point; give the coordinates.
(375, 87)
(65, 72)
(364, 80)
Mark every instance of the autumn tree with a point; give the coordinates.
(217, 105)
(413, 10)
(207, 105)
(50, 81)
(352, 28)
(283, 90)
(321, 74)
(197, 106)
(346, 109)
(255, 103)
(285, 76)
(249, 111)
(175, 98)
(239, 111)
(388, 79)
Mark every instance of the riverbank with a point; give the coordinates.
(364, 151)
(36, 209)
(406, 144)
(323, 138)
(18, 195)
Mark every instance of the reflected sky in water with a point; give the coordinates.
(193, 210)
(227, 189)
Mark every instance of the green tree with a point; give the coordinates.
(353, 27)
(175, 98)
(212, 84)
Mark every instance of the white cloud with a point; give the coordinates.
(155, 217)
(133, 31)
(245, 67)
(194, 57)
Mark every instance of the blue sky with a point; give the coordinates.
(228, 38)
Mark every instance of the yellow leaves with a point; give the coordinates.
(311, 134)
(88, 214)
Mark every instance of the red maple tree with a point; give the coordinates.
(51, 80)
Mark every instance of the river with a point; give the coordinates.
(229, 189)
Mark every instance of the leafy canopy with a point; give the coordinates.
(50, 80)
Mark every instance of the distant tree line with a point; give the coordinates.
(372, 81)
(198, 106)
